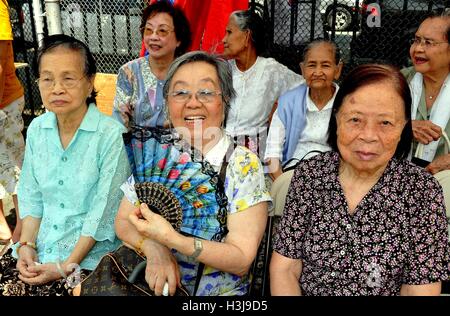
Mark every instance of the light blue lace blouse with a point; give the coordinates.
(74, 191)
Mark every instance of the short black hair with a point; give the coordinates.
(51, 42)
(180, 22)
(365, 75)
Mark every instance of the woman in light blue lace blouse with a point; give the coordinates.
(69, 187)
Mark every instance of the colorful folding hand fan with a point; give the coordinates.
(173, 180)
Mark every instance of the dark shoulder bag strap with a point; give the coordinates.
(223, 168)
(201, 266)
(222, 174)
(298, 160)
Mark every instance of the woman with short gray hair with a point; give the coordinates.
(197, 93)
(221, 66)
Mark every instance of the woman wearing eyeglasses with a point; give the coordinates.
(198, 92)
(429, 81)
(68, 191)
(166, 35)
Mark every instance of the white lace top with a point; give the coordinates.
(257, 89)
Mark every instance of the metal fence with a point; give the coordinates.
(365, 31)
(25, 47)
(109, 27)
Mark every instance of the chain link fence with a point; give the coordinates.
(364, 30)
(25, 48)
(109, 27)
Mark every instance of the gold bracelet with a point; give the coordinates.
(139, 246)
(26, 243)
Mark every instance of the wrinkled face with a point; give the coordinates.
(195, 119)
(64, 67)
(369, 127)
(319, 67)
(159, 36)
(235, 40)
(435, 57)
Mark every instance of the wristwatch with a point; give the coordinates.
(198, 247)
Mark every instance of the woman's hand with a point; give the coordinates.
(161, 267)
(45, 273)
(275, 169)
(27, 259)
(151, 225)
(425, 131)
(439, 164)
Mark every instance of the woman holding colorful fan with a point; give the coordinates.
(219, 187)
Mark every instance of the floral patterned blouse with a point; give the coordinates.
(139, 95)
(397, 235)
(244, 187)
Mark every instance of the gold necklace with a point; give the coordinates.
(435, 94)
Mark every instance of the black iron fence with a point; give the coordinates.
(365, 31)
(25, 47)
(109, 27)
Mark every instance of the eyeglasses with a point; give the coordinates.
(49, 83)
(427, 43)
(161, 32)
(203, 96)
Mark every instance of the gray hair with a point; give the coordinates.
(441, 14)
(318, 41)
(248, 20)
(223, 73)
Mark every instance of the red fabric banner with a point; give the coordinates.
(207, 19)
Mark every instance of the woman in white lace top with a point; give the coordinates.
(258, 81)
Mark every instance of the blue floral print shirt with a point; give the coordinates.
(139, 96)
(244, 188)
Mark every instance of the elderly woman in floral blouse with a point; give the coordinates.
(361, 219)
(198, 92)
(139, 98)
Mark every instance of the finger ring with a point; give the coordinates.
(165, 291)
